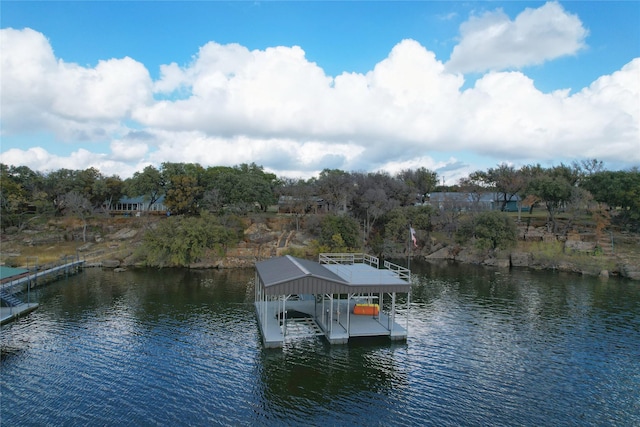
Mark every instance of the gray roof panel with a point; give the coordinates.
(290, 275)
(287, 268)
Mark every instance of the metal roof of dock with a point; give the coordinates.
(7, 272)
(290, 275)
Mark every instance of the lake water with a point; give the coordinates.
(180, 347)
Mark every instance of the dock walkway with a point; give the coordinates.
(11, 282)
(18, 279)
(7, 314)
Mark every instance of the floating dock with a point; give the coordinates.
(296, 298)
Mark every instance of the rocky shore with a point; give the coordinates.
(113, 245)
(538, 249)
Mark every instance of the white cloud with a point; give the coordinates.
(128, 150)
(493, 42)
(276, 108)
(40, 92)
(278, 93)
(39, 159)
(274, 153)
(504, 114)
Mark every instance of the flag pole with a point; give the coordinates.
(410, 251)
(412, 239)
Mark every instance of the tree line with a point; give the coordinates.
(372, 208)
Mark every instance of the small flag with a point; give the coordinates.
(413, 237)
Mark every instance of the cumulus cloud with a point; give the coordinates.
(506, 115)
(274, 107)
(40, 92)
(128, 149)
(37, 158)
(278, 93)
(492, 41)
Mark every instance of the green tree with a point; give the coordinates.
(13, 198)
(528, 174)
(148, 184)
(336, 187)
(339, 233)
(179, 241)
(620, 190)
(489, 230)
(242, 188)
(183, 195)
(396, 227)
(508, 182)
(88, 184)
(554, 188)
(422, 181)
(57, 184)
(183, 186)
(108, 190)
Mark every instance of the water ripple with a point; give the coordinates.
(183, 348)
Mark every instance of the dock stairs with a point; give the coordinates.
(10, 299)
(302, 328)
(605, 244)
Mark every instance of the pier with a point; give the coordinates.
(340, 297)
(15, 280)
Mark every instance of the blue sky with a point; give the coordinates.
(301, 86)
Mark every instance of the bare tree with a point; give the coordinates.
(75, 204)
(336, 187)
(297, 199)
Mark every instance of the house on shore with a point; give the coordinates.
(131, 206)
(465, 201)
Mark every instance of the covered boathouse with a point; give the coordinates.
(339, 297)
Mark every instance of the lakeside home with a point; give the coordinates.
(465, 201)
(136, 205)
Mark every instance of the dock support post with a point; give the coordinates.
(393, 311)
(408, 310)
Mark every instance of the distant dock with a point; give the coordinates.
(15, 280)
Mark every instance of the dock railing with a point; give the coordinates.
(67, 265)
(402, 272)
(361, 258)
(349, 258)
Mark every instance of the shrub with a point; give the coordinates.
(489, 230)
(339, 233)
(179, 240)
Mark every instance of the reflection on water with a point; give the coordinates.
(176, 347)
(313, 377)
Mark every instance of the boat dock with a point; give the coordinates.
(305, 317)
(15, 280)
(8, 314)
(341, 297)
